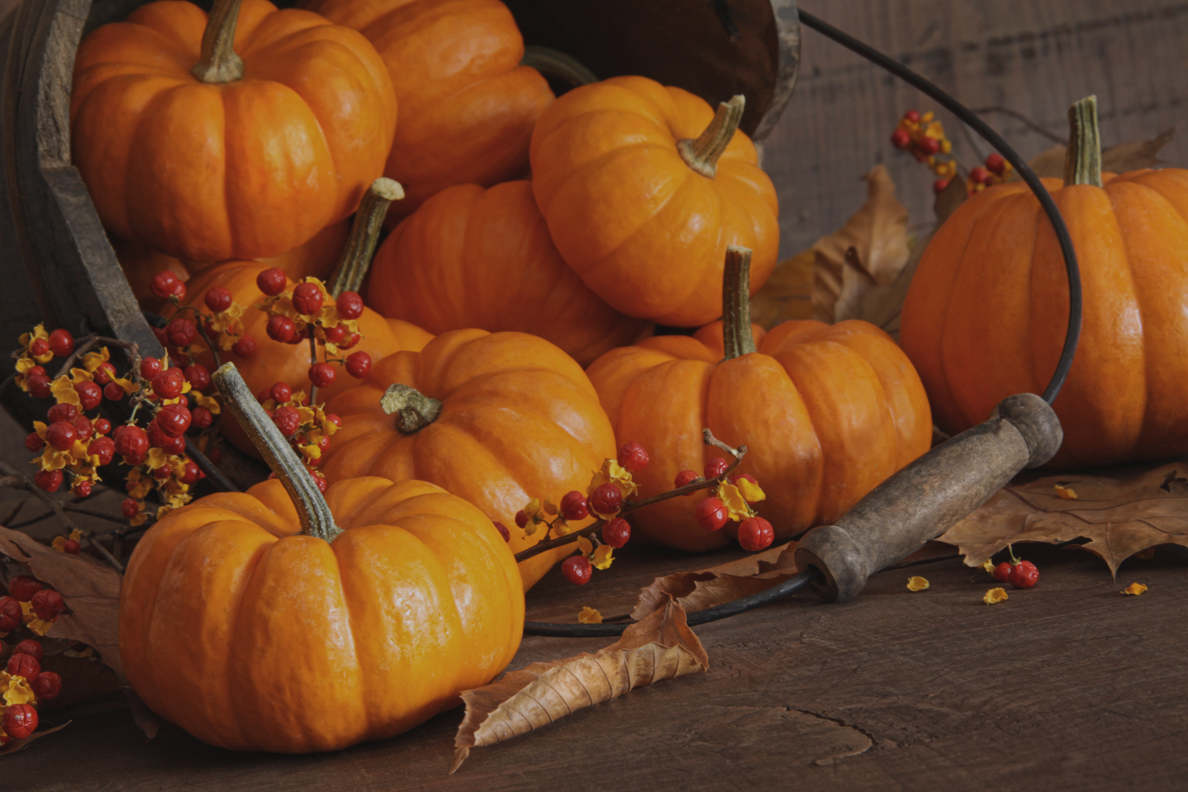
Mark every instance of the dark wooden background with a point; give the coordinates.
(1069, 685)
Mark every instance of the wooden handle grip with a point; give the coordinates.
(929, 496)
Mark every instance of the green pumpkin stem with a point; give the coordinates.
(365, 231)
(316, 519)
(413, 409)
(218, 62)
(1082, 163)
(737, 336)
(558, 65)
(702, 154)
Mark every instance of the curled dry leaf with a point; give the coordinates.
(660, 647)
(1119, 512)
(1114, 159)
(17, 745)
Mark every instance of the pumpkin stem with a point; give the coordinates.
(316, 519)
(413, 409)
(737, 335)
(1082, 164)
(218, 62)
(702, 154)
(365, 232)
(558, 65)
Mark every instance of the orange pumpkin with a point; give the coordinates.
(495, 418)
(643, 188)
(275, 620)
(455, 66)
(471, 257)
(827, 412)
(194, 150)
(988, 307)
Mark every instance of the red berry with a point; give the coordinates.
(102, 426)
(298, 337)
(130, 508)
(940, 185)
(169, 383)
(928, 146)
(755, 534)
(244, 347)
(281, 328)
(979, 175)
(23, 587)
(82, 426)
(47, 685)
(1024, 575)
(20, 721)
(201, 418)
(113, 392)
(61, 343)
(159, 333)
(577, 569)
(506, 534)
(358, 364)
(150, 367)
(913, 116)
(616, 532)
(218, 299)
(181, 332)
(321, 375)
(39, 386)
(281, 392)
(307, 298)
(333, 418)
(573, 506)
(711, 514)
(89, 394)
(36, 371)
(72, 547)
(287, 419)
(82, 488)
(132, 443)
(271, 281)
(29, 647)
(215, 455)
(24, 665)
(198, 376)
(47, 604)
(741, 476)
(104, 373)
(38, 347)
(176, 445)
(320, 480)
(10, 614)
(48, 480)
(349, 305)
(901, 138)
(685, 478)
(995, 163)
(606, 500)
(633, 457)
(715, 467)
(521, 518)
(192, 474)
(33, 442)
(350, 342)
(167, 284)
(1002, 572)
(104, 448)
(174, 419)
(334, 335)
(156, 435)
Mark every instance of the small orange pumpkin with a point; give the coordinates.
(643, 187)
(495, 418)
(455, 67)
(199, 152)
(281, 621)
(987, 310)
(827, 412)
(471, 257)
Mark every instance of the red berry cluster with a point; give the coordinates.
(222, 328)
(308, 428)
(25, 684)
(1020, 574)
(713, 512)
(924, 138)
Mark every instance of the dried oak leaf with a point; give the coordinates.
(788, 293)
(660, 647)
(706, 588)
(1121, 512)
(1114, 159)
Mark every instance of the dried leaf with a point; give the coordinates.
(17, 745)
(1119, 511)
(788, 293)
(1114, 159)
(696, 591)
(995, 596)
(660, 647)
(949, 199)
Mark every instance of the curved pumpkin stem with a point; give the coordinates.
(702, 154)
(1082, 163)
(316, 519)
(558, 65)
(218, 62)
(413, 409)
(737, 336)
(365, 232)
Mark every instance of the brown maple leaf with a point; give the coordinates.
(660, 647)
(1117, 513)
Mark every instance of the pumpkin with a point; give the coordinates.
(987, 310)
(643, 187)
(281, 621)
(238, 139)
(315, 258)
(471, 257)
(455, 67)
(827, 412)
(495, 418)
